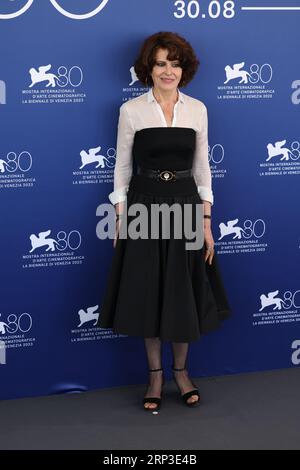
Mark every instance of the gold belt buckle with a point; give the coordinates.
(166, 175)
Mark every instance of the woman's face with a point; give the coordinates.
(166, 74)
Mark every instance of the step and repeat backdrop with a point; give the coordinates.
(66, 66)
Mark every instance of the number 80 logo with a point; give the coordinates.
(61, 10)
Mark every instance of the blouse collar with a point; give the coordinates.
(151, 97)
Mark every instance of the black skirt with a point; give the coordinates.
(155, 286)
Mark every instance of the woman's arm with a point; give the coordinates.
(123, 166)
(201, 168)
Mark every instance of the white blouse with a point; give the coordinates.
(144, 111)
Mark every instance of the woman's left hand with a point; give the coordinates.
(208, 244)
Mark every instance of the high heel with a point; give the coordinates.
(187, 395)
(156, 400)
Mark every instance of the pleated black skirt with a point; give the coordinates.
(156, 287)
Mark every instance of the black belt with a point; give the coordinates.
(164, 175)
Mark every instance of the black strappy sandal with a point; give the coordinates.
(156, 400)
(187, 395)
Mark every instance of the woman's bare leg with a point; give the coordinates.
(153, 350)
(180, 351)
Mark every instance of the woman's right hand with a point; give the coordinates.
(119, 208)
(117, 231)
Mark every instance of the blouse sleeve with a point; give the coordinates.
(123, 166)
(201, 168)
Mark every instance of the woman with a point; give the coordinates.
(157, 288)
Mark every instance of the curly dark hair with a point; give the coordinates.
(179, 49)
